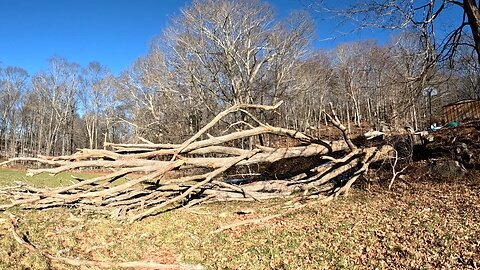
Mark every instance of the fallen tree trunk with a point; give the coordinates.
(166, 176)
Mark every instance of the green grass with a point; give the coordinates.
(9, 177)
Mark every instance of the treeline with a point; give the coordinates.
(218, 53)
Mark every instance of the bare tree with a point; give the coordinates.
(155, 108)
(13, 82)
(94, 97)
(429, 17)
(465, 76)
(352, 67)
(234, 51)
(308, 92)
(56, 90)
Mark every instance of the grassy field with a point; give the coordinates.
(9, 177)
(423, 225)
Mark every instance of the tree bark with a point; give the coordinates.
(473, 14)
(167, 176)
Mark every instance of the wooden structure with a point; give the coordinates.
(459, 111)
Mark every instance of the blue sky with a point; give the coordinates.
(113, 32)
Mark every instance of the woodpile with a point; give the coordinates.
(150, 178)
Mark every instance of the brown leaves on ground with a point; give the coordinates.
(427, 226)
(423, 225)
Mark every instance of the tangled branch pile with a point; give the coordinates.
(149, 178)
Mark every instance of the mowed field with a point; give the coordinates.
(422, 224)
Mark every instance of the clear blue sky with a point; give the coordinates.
(113, 32)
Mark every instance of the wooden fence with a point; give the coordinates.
(459, 111)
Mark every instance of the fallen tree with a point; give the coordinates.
(149, 178)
